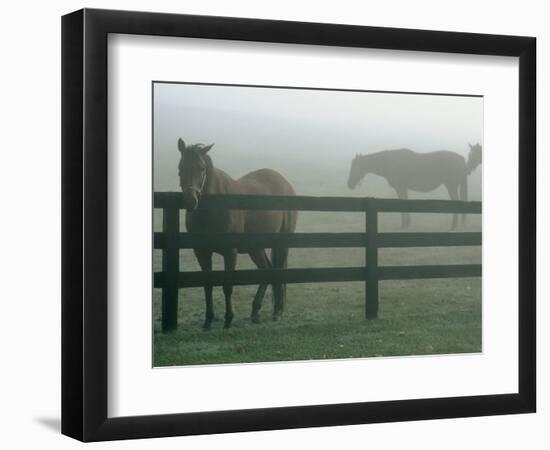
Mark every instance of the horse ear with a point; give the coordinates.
(206, 149)
(181, 145)
(471, 146)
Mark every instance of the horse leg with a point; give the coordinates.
(453, 194)
(464, 197)
(230, 261)
(403, 194)
(261, 260)
(205, 261)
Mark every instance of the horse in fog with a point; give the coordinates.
(406, 170)
(198, 176)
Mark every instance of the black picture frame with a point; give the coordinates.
(84, 224)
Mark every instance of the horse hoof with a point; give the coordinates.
(207, 325)
(255, 318)
(228, 320)
(275, 318)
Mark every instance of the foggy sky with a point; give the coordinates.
(295, 131)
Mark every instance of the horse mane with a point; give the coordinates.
(376, 158)
(209, 170)
(216, 178)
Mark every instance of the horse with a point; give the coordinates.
(406, 170)
(197, 177)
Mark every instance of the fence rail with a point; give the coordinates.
(316, 240)
(171, 240)
(317, 275)
(307, 203)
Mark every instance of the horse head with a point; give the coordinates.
(474, 157)
(193, 172)
(356, 173)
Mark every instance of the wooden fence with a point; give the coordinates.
(171, 240)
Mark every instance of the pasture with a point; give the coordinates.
(326, 320)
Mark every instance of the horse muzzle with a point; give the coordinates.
(190, 199)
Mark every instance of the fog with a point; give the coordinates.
(310, 136)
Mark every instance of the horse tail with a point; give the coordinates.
(464, 195)
(279, 257)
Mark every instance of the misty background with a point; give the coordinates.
(309, 136)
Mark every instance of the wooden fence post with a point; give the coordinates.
(371, 289)
(170, 266)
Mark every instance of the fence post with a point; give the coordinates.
(371, 290)
(170, 265)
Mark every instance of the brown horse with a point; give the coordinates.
(406, 170)
(198, 176)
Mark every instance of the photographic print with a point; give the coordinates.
(325, 274)
(303, 221)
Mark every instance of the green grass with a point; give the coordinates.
(327, 320)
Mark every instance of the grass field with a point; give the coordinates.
(327, 320)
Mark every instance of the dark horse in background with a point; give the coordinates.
(198, 176)
(406, 170)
